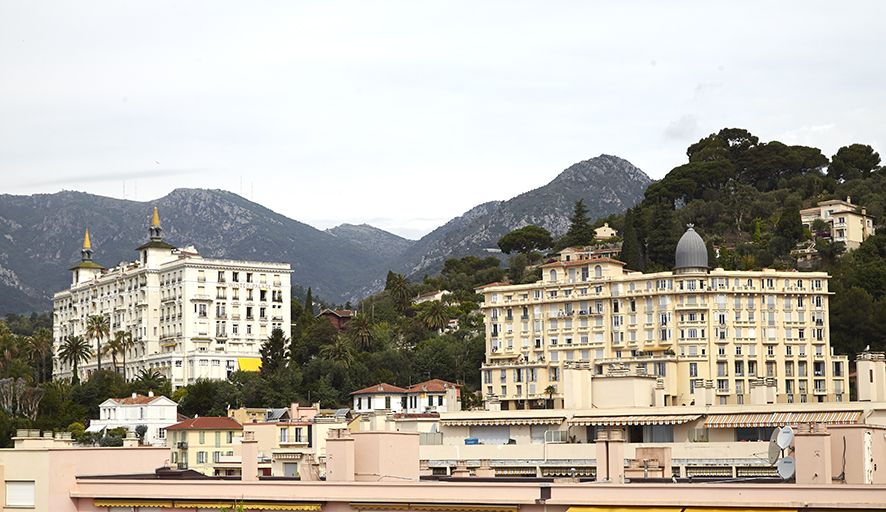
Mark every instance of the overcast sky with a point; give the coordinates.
(403, 115)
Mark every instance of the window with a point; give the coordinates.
(202, 436)
(201, 457)
(284, 435)
(230, 436)
(387, 402)
(693, 369)
(20, 494)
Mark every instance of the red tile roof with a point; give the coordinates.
(433, 385)
(208, 423)
(379, 388)
(136, 400)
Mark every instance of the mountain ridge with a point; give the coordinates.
(43, 233)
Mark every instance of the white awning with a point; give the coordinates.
(96, 428)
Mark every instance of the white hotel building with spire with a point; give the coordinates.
(189, 317)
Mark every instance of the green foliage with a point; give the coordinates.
(853, 162)
(274, 352)
(525, 240)
(580, 231)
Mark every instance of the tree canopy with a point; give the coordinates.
(525, 240)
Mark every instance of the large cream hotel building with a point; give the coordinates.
(698, 336)
(189, 317)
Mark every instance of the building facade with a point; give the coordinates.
(189, 317)
(712, 337)
(848, 223)
(201, 443)
(155, 412)
(433, 396)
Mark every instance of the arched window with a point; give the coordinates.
(598, 271)
(553, 276)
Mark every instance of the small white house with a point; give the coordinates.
(433, 396)
(156, 412)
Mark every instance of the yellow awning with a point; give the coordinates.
(739, 509)
(624, 509)
(99, 502)
(249, 365)
(778, 419)
(247, 505)
(643, 419)
(499, 422)
(434, 507)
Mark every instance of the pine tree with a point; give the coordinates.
(580, 231)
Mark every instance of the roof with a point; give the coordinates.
(433, 385)
(207, 423)
(573, 263)
(691, 251)
(341, 313)
(380, 388)
(86, 244)
(87, 264)
(136, 400)
(429, 294)
(155, 244)
(499, 283)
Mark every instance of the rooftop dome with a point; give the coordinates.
(691, 251)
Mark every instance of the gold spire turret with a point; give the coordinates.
(86, 251)
(155, 230)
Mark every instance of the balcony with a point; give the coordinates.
(182, 445)
(181, 465)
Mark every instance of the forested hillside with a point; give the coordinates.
(744, 196)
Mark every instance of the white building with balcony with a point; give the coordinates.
(155, 412)
(189, 317)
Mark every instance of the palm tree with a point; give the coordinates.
(8, 346)
(550, 390)
(97, 328)
(398, 287)
(340, 350)
(126, 343)
(114, 346)
(74, 350)
(434, 316)
(41, 344)
(361, 328)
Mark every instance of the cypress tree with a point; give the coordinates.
(630, 248)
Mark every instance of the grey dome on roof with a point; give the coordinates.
(691, 251)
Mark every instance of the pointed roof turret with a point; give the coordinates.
(86, 255)
(692, 254)
(156, 234)
(86, 244)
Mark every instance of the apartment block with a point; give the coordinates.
(690, 336)
(189, 317)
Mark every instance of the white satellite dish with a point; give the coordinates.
(786, 467)
(785, 436)
(774, 450)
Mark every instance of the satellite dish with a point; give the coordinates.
(785, 436)
(786, 467)
(774, 450)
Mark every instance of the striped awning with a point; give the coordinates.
(248, 505)
(499, 422)
(778, 419)
(644, 419)
(99, 502)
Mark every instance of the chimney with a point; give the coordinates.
(133, 396)
(150, 392)
(249, 457)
